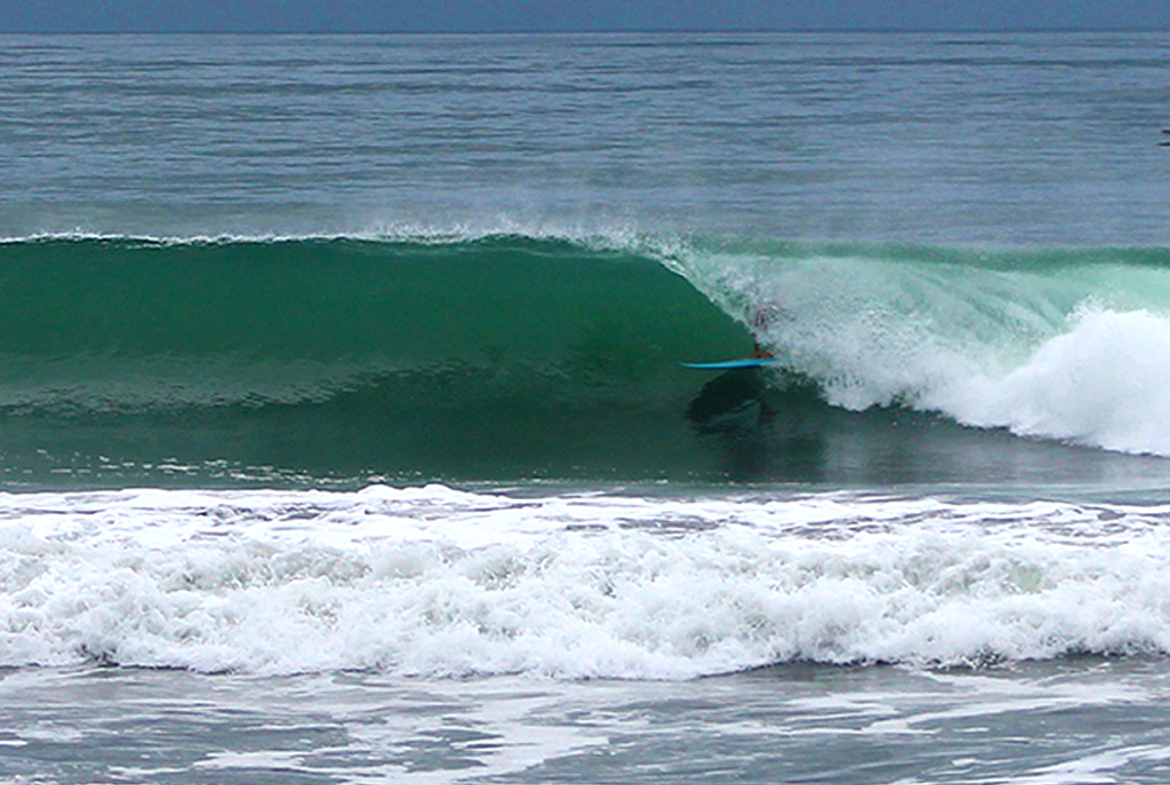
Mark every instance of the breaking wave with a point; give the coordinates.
(510, 356)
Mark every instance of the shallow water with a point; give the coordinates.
(1069, 721)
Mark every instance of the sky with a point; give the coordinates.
(104, 16)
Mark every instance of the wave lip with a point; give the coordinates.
(437, 582)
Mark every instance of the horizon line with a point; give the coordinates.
(619, 31)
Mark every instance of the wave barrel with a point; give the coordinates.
(495, 358)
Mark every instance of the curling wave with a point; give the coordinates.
(502, 357)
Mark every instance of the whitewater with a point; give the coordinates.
(436, 582)
(345, 434)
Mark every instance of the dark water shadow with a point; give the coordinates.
(776, 427)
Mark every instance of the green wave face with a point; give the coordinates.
(513, 358)
(498, 358)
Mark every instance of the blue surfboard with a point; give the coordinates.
(727, 365)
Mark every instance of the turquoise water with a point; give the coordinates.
(344, 435)
(508, 358)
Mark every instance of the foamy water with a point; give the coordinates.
(1103, 383)
(435, 581)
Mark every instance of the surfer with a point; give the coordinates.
(1165, 143)
(761, 355)
(762, 320)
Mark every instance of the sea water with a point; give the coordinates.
(344, 435)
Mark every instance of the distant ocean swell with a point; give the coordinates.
(516, 356)
(437, 582)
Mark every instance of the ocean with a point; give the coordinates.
(346, 436)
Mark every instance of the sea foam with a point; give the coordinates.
(1103, 383)
(437, 582)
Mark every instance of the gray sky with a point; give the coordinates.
(568, 15)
